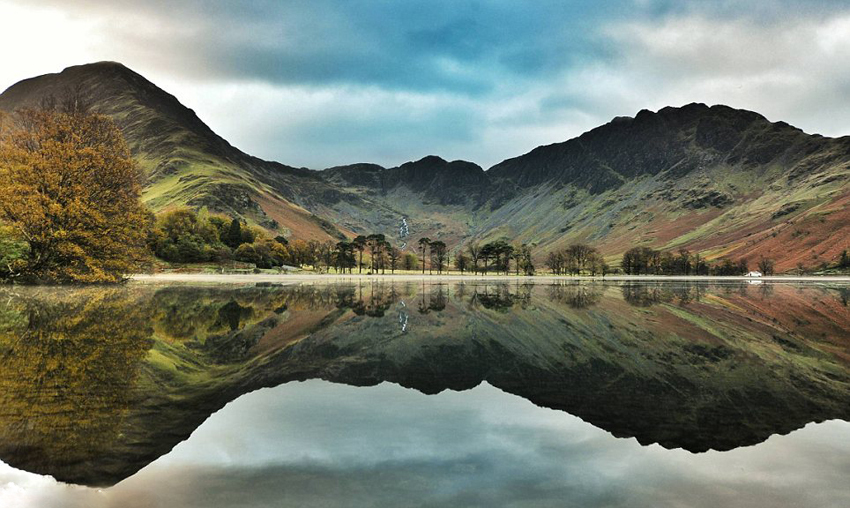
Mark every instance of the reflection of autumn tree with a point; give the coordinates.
(68, 364)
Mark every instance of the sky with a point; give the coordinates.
(320, 83)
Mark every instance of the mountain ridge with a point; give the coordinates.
(723, 181)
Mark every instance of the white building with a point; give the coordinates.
(754, 274)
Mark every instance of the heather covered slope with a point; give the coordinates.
(721, 181)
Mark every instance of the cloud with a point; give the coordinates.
(788, 70)
(324, 83)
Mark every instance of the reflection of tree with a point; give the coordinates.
(373, 302)
(575, 295)
(68, 364)
(438, 298)
(432, 298)
(498, 297)
(642, 294)
(191, 314)
(231, 313)
(766, 291)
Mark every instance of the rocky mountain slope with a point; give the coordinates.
(722, 181)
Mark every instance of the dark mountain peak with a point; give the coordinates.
(152, 120)
(94, 81)
(427, 161)
(434, 163)
(103, 68)
(673, 140)
(103, 64)
(361, 174)
(435, 178)
(357, 166)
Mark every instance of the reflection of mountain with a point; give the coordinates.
(97, 384)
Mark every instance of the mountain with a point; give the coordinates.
(184, 161)
(721, 181)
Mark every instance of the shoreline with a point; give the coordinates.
(316, 277)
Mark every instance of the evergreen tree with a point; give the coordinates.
(234, 234)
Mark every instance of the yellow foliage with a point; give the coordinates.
(70, 190)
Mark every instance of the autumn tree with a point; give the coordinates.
(70, 191)
(13, 252)
(182, 236)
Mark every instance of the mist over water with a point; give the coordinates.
(426, 394)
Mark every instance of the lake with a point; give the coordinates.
(426, 393)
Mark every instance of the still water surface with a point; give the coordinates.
(424, 394)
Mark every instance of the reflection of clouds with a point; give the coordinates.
(318, 444)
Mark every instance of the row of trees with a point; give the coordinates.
(577, 259)
(498, 256)
(434, 256)
(647, 261)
